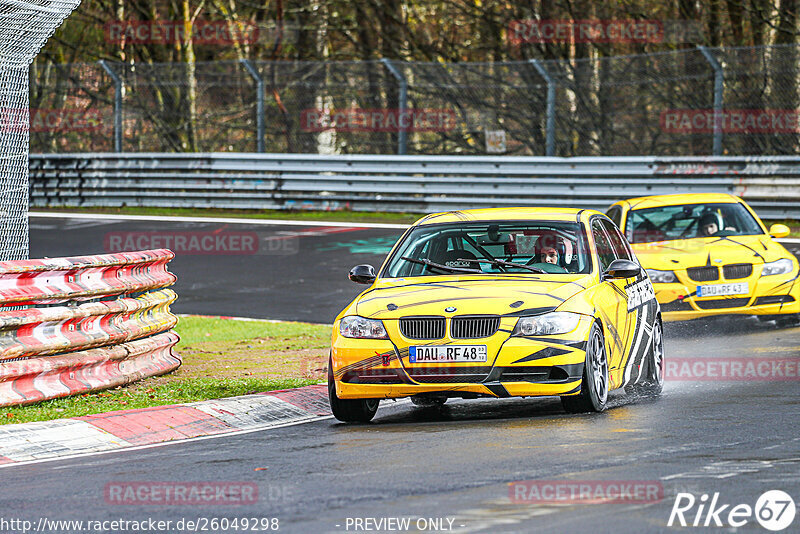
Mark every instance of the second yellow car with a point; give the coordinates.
(710, 254)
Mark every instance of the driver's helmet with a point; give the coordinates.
(710, 217)
(551, 243)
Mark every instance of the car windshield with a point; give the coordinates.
(491, 248)
(689, 221)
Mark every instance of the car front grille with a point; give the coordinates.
(703, 274)
(449, 375)
(774, 299)
(422, 327)
(474, 327)
(373, 376)
(737, 270)
(676, 305)
(722, 303)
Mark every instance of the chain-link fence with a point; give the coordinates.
(736, 101)
(25, 25)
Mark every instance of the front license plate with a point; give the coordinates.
(721, 290)
(447, 353)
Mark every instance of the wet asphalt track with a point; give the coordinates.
(739, 438)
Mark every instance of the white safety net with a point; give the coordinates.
(25, 26)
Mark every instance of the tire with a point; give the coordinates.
(787, 321)
(428, 402)
(594, 385)
(349, 410)
(653, 382)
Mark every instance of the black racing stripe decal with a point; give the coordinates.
(726, 238)
(547, 352)
(581, 345)
(530, 311)
(542, 295)
(646, 318)
(576, 390)
(498, 389)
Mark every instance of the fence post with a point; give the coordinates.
(259, 103)
(550, 139)
(402, 137)
(117, 105)
(719, 82)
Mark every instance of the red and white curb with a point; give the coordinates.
(106, 432)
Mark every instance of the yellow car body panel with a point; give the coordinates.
(382, 368)
(767, 295)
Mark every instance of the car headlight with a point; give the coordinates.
(547, 324)
(362, 328)
(661, 277)
(781, 266)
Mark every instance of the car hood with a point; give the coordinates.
(697, 252)
(392, 298)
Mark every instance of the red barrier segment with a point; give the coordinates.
(36, 379)
(56, 280)
(161, 423)
(41, 331)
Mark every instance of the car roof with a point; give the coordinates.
(679, 199)
(508, 214)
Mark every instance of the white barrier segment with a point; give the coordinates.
(51, 439)
(253, 411)
(223, 220)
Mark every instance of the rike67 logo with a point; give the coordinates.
(774, 510)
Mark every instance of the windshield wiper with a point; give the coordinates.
(505, 263)
(430, 263)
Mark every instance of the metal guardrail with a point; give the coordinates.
(401, 183)
(69, 348)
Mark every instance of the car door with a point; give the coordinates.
(640, 304)
(612, 304)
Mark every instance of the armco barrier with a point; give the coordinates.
(79, 346)
(401, 183)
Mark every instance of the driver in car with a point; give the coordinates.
(548, 255)
(710, 225)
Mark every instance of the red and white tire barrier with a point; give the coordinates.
(52, 352)
(55, 280)
(42, 331)
(36, 379)
(31, 442)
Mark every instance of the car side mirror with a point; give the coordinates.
(362, 274)
(779, 230)
(622, 269)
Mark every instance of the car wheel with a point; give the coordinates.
(786, 321)
(349, 410)
(428, 402)
(653, 381)
(594, 385)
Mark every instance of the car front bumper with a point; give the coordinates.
(515, 366)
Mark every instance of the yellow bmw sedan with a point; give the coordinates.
(710, 254)
(499, 303)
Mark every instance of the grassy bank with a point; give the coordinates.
(221, 358)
